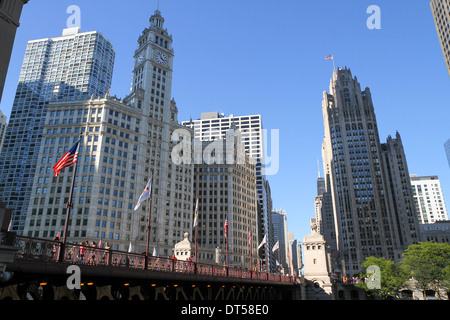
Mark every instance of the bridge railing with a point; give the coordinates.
(33, 249)
(36, 249)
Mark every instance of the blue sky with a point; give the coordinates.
(267, 57)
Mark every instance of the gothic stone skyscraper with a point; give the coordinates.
(76, 64)
(369, 219)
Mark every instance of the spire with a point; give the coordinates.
(156, 20)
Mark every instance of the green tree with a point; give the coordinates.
(429, 264)
(392, 278)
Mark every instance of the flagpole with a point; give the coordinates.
(250, 243)
(69, 207)
(196, 230)
(227, 235)
(267, 255)
(227, 249)
(149, 217)
(331, 57)
(279, 259)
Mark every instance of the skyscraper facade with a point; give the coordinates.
(3, 125)
(74, 65)
(441, 15)
(428, 198)
(324, 218)
(10, 12)
(226, 191)
(356, 172)
(213, 125)
(293, 259)
(106, 185)
(125, 143)
(279, 221)
(151, 93)
(398, 194)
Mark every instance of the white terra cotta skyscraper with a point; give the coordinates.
(74, 65)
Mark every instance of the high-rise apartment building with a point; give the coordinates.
(324, 218)
(10, 12)
(72, 66)
(369, 219)
(3, 125)
(428, 198)
(441, 15)
(227, 191)
(292, 257)
(279, 221)
(212, 126)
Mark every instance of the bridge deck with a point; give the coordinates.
(46, 257)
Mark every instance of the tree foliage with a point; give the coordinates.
(426, 263)
(392, 278)
(429, 264)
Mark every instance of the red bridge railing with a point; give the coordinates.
(42, 250)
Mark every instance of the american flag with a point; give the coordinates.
(329, 57)
(225, 227)
(68, 159)
(250, 238)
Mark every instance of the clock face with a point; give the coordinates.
(139, 59)
(161, 58)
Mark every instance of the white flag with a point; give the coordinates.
(145, 194)
(263, 242)
(154, 252)
(196, 214)
(129, 247)
(276, 246)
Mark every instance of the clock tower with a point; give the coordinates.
(153, 63)
(151, 92)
